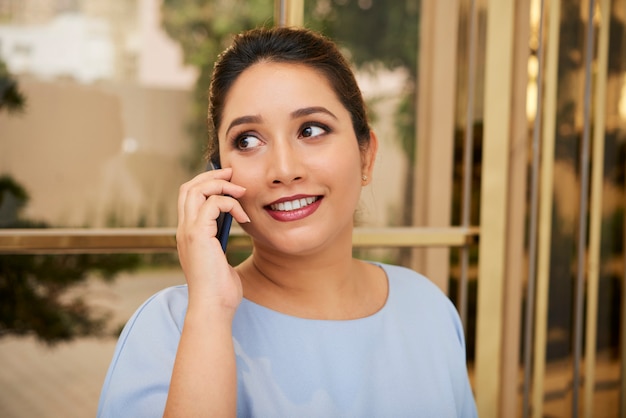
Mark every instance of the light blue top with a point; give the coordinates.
(406, 360)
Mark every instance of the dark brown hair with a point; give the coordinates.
(288, 45)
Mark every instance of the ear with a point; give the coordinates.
(368, 157)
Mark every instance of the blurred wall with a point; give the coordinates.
(99, 155)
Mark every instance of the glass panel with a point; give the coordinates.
(381, 38)
(570, 120)
(610, 301)
(569, 128)
(470, 82)
(115, 104)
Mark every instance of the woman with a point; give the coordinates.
(300, 328)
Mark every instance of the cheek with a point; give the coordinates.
(246, 178)
(346, 178)
(246, 173)
(348, 169)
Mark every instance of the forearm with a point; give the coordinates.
(204, 379)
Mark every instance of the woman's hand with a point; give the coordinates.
(213, 283)
(204, 378)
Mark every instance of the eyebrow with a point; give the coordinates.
(311, 110)
(305, 111)
(243, 120)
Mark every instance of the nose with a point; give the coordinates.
(285, 163)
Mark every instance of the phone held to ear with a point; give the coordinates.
(225, 219)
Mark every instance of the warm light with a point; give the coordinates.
(531, 90)
(535, 18)
(533, 62)
(533, 67)
(535, 12)
(621, 108)
(130, 145)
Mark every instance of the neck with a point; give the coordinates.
(319, 285)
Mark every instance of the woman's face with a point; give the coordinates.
(291, 144)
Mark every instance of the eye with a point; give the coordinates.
(311, 131)
(247, 141)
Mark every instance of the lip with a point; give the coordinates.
(294, 214)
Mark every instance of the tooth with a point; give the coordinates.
(294, 204)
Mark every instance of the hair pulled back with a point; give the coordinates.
(288, 45)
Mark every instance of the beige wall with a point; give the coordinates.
(67, 150)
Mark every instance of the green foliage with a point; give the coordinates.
(373, 31)
(11, 98)
(34, 297)
(33, 294)
(204, 28)
(13, 197)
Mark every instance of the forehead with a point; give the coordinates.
(277, 84)
(271, 69)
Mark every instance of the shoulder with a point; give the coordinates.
(158, 322)
(413, 295)
(155, 321)
(403, 279)
(170, 302)
(145, 352)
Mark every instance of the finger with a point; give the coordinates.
(201, 234)
(196, 196)
(217, 204)
(194, 193)
(222, 174)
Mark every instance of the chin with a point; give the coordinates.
(294, 247)
(294, 242)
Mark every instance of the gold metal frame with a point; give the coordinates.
(545, 210)
(289, 12)
(117, 240)
(595, 211)
(516, 262)
(432, 200)
(494, 204)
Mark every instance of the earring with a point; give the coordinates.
(364, 177)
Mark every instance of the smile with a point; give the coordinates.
(294, 204)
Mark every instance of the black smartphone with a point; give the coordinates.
(225, 220)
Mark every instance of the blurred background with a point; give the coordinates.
(503, 134)
(115, 104)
